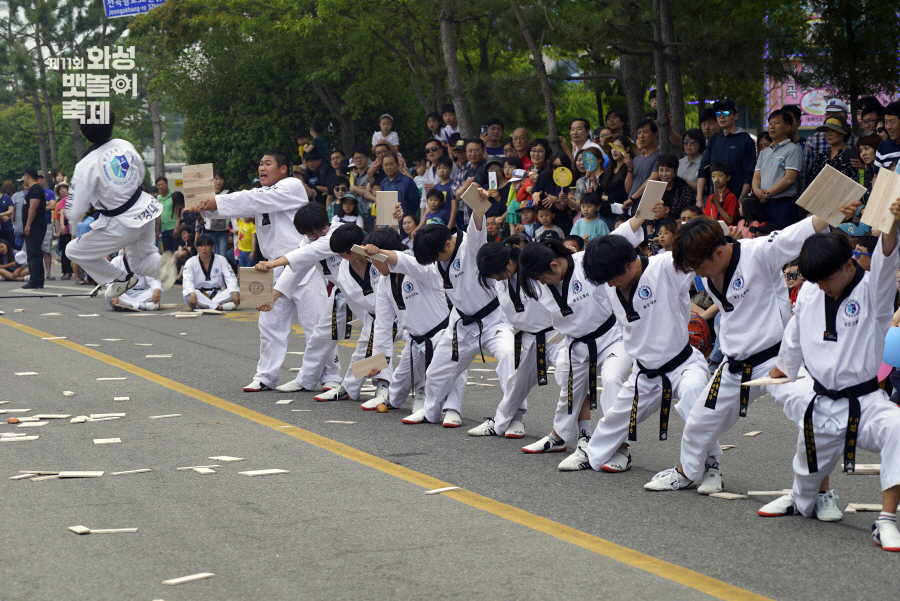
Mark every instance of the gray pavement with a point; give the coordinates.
(335, 528)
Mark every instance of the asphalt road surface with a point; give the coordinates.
(349, 520)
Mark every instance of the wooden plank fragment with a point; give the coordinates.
(438, 491)
(80, 474)
(825, 196)
(269, 472)
(141, 471)
(191, 578)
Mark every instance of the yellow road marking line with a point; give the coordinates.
(669, 571)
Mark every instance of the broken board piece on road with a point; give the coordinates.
(164, 416)
(21, 476)
(362, 367)
(754, 433)
(437, 491)
(380, 257)
(854, 507)
(768, 493)
(191, 315)
(284, 402)
(51, 416)
(885, 191)
(143, 344)
(197, 183)
(195, 467)
(80, 419)
(337, 421)
(49, 314)
(18, 438)
(653, 193)
(270, 472)
(112, 339)
(86, 530)
(731, 496)
(825, 196)
(32, 424)
(191, 578)
(39, 478)
(141, 471)
(384, 207)
(256, 287)
(121, 398)
(226, 458)
(866, 469)
(726, 447)
(157, 356)
(80, 474)
(204, 470)
(210, 311)
(102, 415)
(54, 338)
(109, 379)
(107, 440)
(26, 373)
(474, 201)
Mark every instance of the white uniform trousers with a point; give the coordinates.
(133, 298)
(90, 250)
(204, 302)
(351, 383)
(307, 301)
(401, 382)
(879, 432)
(688, 381)
(704, 426)
(321, 363)
(613, 364)
(497, 339)
(523, 380)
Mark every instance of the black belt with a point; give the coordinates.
(348, 329)
(371, 337)
(591, 341)
(540, 341)
(207, 292)
(745, 367)
(124, 207)
(429, 349)
(470, 319)
(661, 372)
(852, 395)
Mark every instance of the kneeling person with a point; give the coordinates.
(208, 281)
(143, 296)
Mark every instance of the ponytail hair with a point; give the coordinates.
(535, 259)
(493, 258)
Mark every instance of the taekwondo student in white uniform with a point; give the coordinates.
(744, 280)
(499, 261)
(108, 178)
(358, 280)
(208, 281)
(144, 296)
(273, 206)
(651, 303)
(580, 311)
(421, 311)
(321, 364)
(476, 321)
(838, 330)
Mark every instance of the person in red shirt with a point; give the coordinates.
(722, 205)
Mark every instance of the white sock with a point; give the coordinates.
(884, 516)
(555, 438)
(584, 424)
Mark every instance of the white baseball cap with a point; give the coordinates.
(518, 175)
(835, 105)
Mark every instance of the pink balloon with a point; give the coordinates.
(884, 371)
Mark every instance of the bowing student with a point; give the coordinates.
(208, 281)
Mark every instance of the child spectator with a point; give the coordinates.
(11, 268)
(317, 141)
(452, 125)
(386, 124)
(691, 212)
(184, 250)
(751, 222)
(434, 123)
(678, 195)
(574, 243)
(421, 167)
(862, 253)
(438, 211)
(665, 238)
(590, 226)
(528, 211)
(793, 279)
(722, 204)
(409, 228)
(348, 211)
(545, 218)
(448, 187)
(61, 226)
(497, 193)
(517, 175)
(246, 241)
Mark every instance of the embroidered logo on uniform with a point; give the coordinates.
(576, 287)
(738, 283)
(374, 273)
(644, 293)
(407, 286)
(216, 271)
(117, 167)
(456, 264)
(851, 309)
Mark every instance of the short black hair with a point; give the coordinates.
(652, 94)
(345, 237)
(578, 240)
(317, 126)
(434, 192)
(429, 242)
(219, 173)
(694, 209)
(695, 242)
(587, 124)
(696, 134)
(448, 108)
(311, 217)
(668, 160)
(478, 141)
(534, 261)
(161, 178)
(707, 115)
(444, 160)
(205, 240)
(783, 115)
(795, 111)
(874, 108)
(892, 109)
(591, 198)
(493, 121)
(361, 149)
(514, 162)
(385, 238)
(492, 259)
(97, 133)
(281, 158)
(648, 122)
(868, 242)
(721, 168)
(606, 258)
(823, 255)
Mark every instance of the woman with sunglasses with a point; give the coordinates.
(539, 153)
(548, 194)
(689, 165)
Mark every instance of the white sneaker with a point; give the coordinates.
(515, 429)
(575, 462)
(619, 462)
(372, 404)
(886, 535)
(485, 429)
(148, 306)
(381, 393)
(256, 386)
(452, 419)
(417, 417)
(229, 306)
(826, 507)
(546, 445)
(335, 394)
(168, 272)
(670, 479)
(418, 401)
(329, 385)
(117, 288)
(292, 386)
(779, 507)
(712, 480)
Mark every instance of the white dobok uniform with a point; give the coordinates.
(141, 293)
(212, 286)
